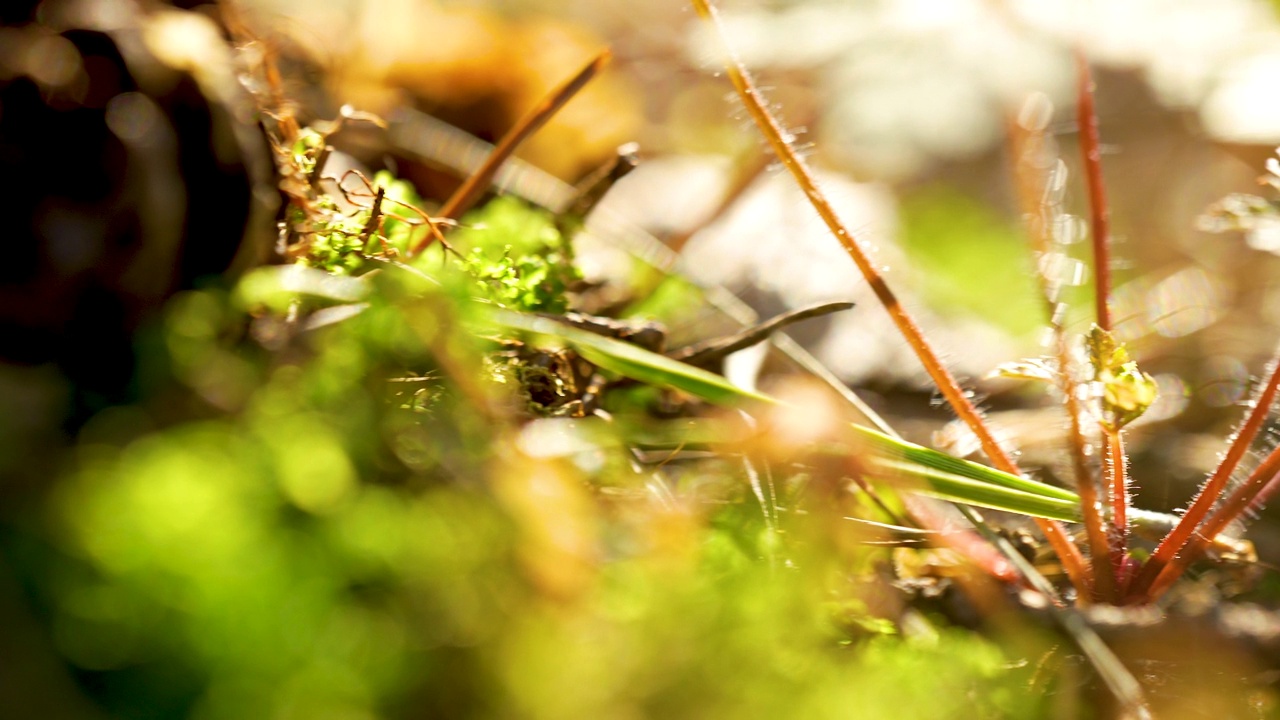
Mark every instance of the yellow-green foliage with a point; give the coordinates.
(340, 239)
(518, 255)
(322, 549)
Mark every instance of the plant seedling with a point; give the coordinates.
(1108, 573)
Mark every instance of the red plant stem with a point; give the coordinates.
(1099, 212)
(1030, 184)
(1232, 507)
(1113, 455)
(478, 182)
(1100, 557)
(1115, 459)
(1119, 483)
(1263, 497)
(1172, 544)
(1072, 560)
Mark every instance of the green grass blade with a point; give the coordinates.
(943, 475)
(956, 488)
(632, 361)
(943, 462)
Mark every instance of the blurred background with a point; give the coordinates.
(140, 577)
(907, 110)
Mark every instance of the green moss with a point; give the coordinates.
(518, 256)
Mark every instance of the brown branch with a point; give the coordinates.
(591, 190)
(946, 383)
(475, 185)
(709, 352)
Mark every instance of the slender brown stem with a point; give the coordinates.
(478, 182)
(706, 353)
(942, 378)
(1172, 544)
(1100, 213)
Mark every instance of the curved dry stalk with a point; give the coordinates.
(777, 138)
(1171, 547)
(478, 182)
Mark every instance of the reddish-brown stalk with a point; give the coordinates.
(1113, 457)
(1027, 144)
(478, 182)
(1231, 509)
(1101, 551)
(1117, 471)
(1057, 535)
(1264, 496)
(1099, 212)
(1172, 544)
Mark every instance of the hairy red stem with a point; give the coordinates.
(1113, 456)
(1028, 158)
(1100, 558)
(1172, 544)
(1232, 507)
(1099, 212)
(1057, 535)
(1116, 460)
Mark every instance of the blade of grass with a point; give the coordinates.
(956, 488)
(633, 361)
(639, 364)
(942, 378)
(478, 181)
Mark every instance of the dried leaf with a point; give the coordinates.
(1041, 369)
